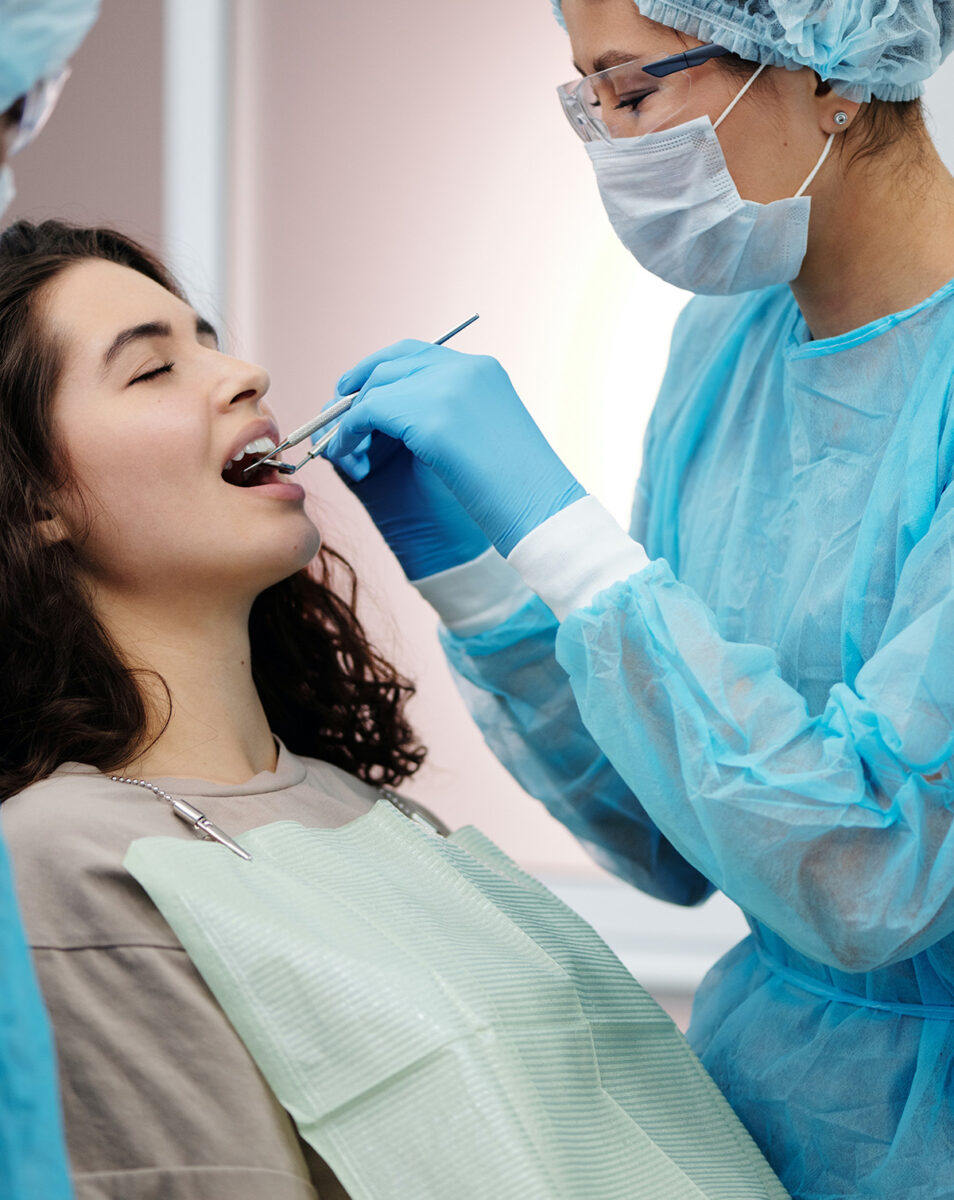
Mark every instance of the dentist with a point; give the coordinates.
(752, 689)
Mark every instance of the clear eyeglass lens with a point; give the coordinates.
(10, 124)
(623, 102)
(35, 108)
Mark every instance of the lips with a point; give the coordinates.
(241, 456)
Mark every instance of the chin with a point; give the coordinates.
(291, 555)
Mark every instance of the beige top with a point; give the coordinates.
(160, 1096)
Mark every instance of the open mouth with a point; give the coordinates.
(236, 475)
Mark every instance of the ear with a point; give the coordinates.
(839, 117)
(835, 114)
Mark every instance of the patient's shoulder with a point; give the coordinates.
(350, 790)
(66, 836)
(75, 804)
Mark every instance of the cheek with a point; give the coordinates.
(137, 523)
(125, 473)
(711, 94)
(148, 506)
(767, 158)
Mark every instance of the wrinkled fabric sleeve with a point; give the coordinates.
(523, 703)
(835, 830)
(32, 1147)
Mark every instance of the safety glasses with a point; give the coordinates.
(26, 117)
(634, 98)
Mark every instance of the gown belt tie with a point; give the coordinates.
(828, 991)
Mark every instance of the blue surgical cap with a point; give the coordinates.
(36, 39)
(863, 48)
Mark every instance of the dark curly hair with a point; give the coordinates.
(65, 693)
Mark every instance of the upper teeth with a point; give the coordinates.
(261, 445)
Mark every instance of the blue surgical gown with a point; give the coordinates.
(768, 709)
(32, 1151)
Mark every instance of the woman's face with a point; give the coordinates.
(771, 139)
(149, 412)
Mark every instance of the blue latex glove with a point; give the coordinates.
(459, 415)
(420, 520)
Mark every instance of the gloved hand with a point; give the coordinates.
(425, 527)
(459, 415)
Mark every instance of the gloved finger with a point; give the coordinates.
(381, 450)
(355, 379)
(388, 467)
(372, 456)
(385, 373)
(355, 466)
(381, 409)
(394, 371)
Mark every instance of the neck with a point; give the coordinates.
(880, 243)
(217, 728)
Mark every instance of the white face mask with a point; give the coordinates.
(7, 190)
(675, 207)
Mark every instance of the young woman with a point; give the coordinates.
(754, 690)
(158, 620)
(438, 1020)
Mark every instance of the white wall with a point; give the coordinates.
(939, 100)
(196, 57)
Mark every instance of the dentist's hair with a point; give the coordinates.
(881, 124)
(65, 693)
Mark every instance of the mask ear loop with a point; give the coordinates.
(748, 84)
(818, 166)
(824, 154)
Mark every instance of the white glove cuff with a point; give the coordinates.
(476, 595)
(576, 554)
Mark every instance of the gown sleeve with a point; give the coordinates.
(834, 830)
(522, 700)
(32, 1148)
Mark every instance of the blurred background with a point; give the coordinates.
(328, 178)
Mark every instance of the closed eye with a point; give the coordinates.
(163, 370)
(632, 102)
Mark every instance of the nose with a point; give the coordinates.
(246, 382)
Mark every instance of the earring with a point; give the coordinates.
(841, 118)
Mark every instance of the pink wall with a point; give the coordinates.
(396, 167)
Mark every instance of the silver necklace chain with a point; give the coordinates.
(188, 813)
(206, 829)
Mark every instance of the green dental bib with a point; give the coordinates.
(440, 1026)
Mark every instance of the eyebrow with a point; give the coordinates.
(613, 58)
(151, 329)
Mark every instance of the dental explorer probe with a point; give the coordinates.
(337, 409)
